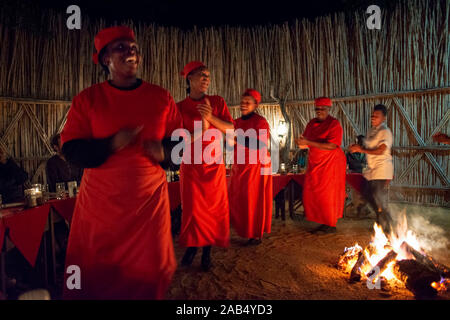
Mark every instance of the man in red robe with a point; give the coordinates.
(120, 239)
(324, 188)
(250, 189)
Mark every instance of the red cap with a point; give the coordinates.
(191, 66)
(108, 35)
(323, 102)
(253, 93)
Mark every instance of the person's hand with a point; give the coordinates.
(205, 124)
(205, 109)
(441, 137)
(302, 142)
(355, 148)
(154, 150)
(124, 137)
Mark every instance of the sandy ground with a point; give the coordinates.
(294, 264)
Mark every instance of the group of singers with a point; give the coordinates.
(120, 235)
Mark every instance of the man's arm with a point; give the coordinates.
(377, 151)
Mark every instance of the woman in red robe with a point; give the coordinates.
(204, 196)
(250, 189)
(324, 188)
(120, 236)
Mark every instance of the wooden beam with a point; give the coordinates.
(34, 101)
(301, 117)
(407, 186)
(4, 147)
(10, 127)
(349, 119)
(421, 142)
(416, 158)
(373, 96)
(427, 147)
(38, 127)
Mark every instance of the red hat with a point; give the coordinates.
(191, 66)
(108, 35)
(323, 102)
(253, 93)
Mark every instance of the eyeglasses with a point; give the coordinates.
(320, 109)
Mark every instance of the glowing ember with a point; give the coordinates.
(441, 286)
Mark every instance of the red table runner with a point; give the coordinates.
(25, 229)
(279, 182)
(64, 207)
(356, 180)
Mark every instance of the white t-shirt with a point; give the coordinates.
(379, 167)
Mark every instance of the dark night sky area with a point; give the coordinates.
(185, 14)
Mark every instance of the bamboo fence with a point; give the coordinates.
(405, 65)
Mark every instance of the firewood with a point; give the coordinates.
(355, 274)
(383, 263)
(417, 277)
(433, 265)
(443, 270)
(348, 257)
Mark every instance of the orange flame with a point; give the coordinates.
(380, 245)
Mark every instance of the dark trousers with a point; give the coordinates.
(376, 193)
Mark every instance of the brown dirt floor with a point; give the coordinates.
(292, 264)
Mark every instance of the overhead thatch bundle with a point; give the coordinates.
(405, 65)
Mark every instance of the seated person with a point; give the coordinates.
(12, 178)
(60, 170)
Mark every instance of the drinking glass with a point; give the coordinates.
(72, 186)
(45, 193)
(60, 190)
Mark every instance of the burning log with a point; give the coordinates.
(348, 257)
(444, 270)
(382, 264)
(356, 273)
(417, 277)
(434, 266)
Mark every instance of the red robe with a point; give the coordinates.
(120, 233)
(250, 191)
(204, 196)
(324, 188)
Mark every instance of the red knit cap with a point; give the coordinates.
(253, 93)
(191, 66)
(108, 35)
(323, 102)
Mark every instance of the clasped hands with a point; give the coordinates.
(302, 142)
(124, 137)
(205, 110)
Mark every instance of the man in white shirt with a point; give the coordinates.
(380, 168)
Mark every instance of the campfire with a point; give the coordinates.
(395, 259)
